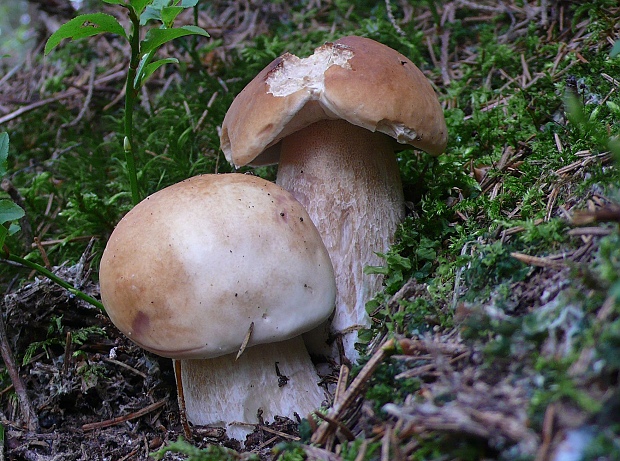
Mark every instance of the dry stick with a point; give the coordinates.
(284, 435)
(181, 398)
(478, 6)
(89, 95)
(10, 73)
(267, 442)
(245, 341)
(46, 261)
(277, 434)
(354, 390)
(445, 42)
(145, 100)
(605, 214)
(206, 112)
(130, 454)
(336, 423)
(341, 386)
(431, 52)
(537, 261)
(10, 387)
(419, 370)
(586, 231)
(343, 378)
(58, 97)
(547, 433)
(122, 419)
(125, 366)
(318, 454)
(27, 410)
(551, 203)
(68, 353)
(410, 346)
(582, 163)
(610, 79)
(390, 14)
(385, 444)
(526, 77)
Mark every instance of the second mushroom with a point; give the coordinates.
(333, 121)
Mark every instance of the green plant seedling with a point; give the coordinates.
(615, 51)
(141, 64)
(9, 211)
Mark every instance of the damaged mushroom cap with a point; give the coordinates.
(190, 269)
(356, 79)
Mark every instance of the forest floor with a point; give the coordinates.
(498, 333)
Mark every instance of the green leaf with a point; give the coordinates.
(395, 260)
(615, 108)
(615, 51)
(574, 110)
(428, 254)
(150, 13)
(4, 152)
(139, 5)
(9, 211)
(114, 2)
(157, 37)
(152, 67)
(139, 71)
(159, 4)
(614, 146)
(376, 270)
(85, 25)
(169, 14)
(13, 228)
(3, 234)
(189, 3)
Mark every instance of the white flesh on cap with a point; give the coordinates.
(348, 180)
(307, 74)
(222, 391)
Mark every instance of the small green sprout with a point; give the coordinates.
(141, 65)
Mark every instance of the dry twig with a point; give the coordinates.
(28, 413)
(351, 394)
(59, 97)
(122, 419)
(537, 261)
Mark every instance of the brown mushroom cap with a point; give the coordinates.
(356, 79)
(190, 269)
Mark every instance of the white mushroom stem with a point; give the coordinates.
(348, 180)
(222, 390)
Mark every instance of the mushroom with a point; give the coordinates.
(333, 121)
(217, 266)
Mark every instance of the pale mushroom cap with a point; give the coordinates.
(356, 79)
(190, 268)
